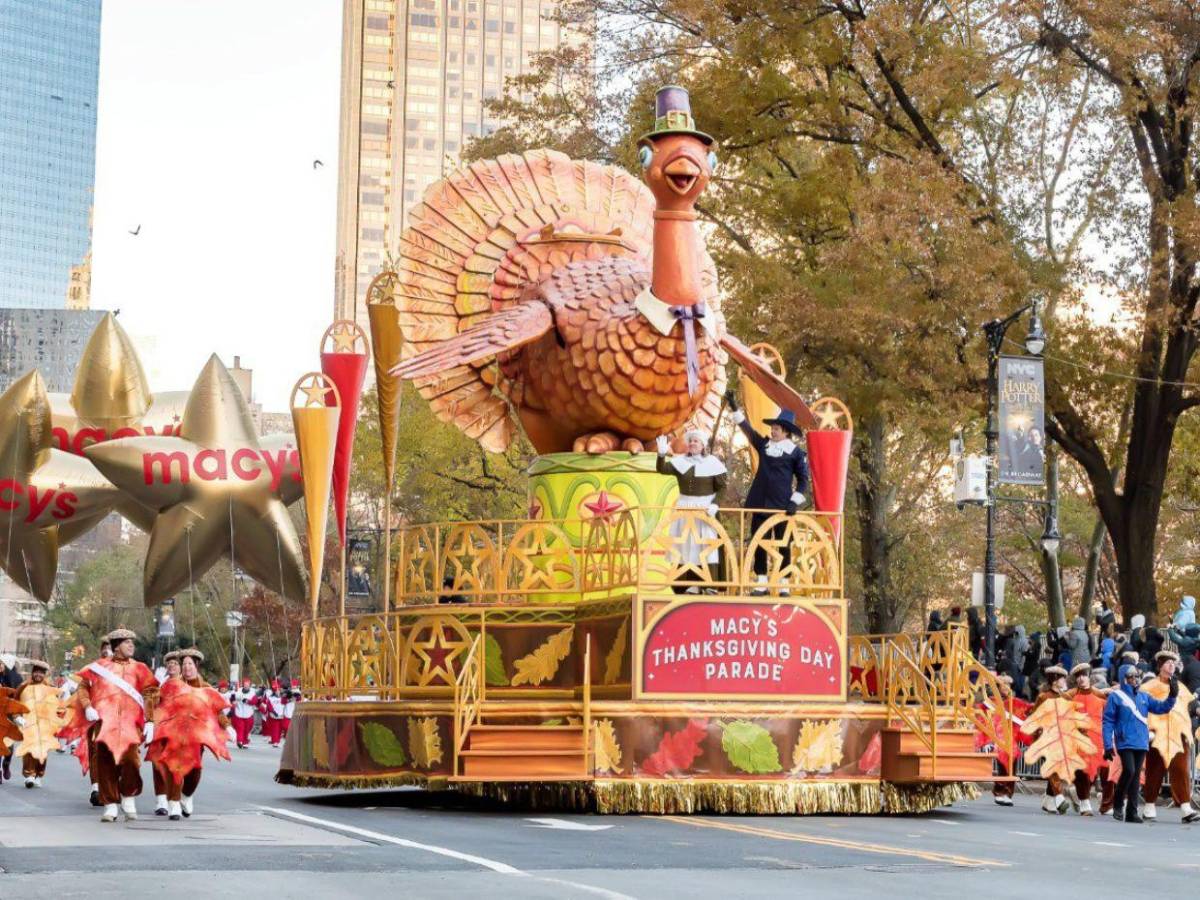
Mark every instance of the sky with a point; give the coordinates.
(211, 113)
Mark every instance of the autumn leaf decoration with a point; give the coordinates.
(1063, 744)
(677, 750)
(42, 722)
(382, 744)
(424, 742)
(818, 746)
(616, 654)
(750, 747)
(493, 662)
(319, 743)
(542, 664)
(1169, 730)
(186, 722)
(607, 749)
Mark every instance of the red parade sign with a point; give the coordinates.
(742, 650)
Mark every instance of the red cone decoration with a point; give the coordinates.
(829, 456)
(344, 361)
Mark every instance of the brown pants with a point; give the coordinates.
(117, 779)
(160, 783)
(1003, 788)
(173, 788)
(31, 767)
(1054, 785)
(1181, 781)
(1083, 787)
(91, 750)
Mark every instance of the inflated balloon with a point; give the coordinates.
(42, 490)
(216, 490)
(316, 422)
(386, 342)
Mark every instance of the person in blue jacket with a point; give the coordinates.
(1127, 733)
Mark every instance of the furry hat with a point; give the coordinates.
(1054, 672)
(39, 664)
(1081, 669)
(1163, 655)
(117, 635)
(173, 655)
(1005, 679)
(190, 652)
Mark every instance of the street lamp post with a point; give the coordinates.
(994, 331)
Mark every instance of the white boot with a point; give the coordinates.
(173, 810)
(186, 806)
(1149, 812)
(1085, 807)
(1061, 804)
(29, 782)
(110, 813)
(1189, 814)
(761, 586)
(1048, 804)
(160, 804)
(128, 809)
(37, 782)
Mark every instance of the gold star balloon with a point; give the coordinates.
(215, 488)
(44, 493)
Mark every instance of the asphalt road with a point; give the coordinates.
(252, 838)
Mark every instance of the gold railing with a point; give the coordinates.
(587, 707)
(930, 678)
(643, 548)
(469, 692)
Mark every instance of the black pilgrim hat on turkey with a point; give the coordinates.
(787, 421)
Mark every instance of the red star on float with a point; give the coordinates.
(437, 653)
(603, 506)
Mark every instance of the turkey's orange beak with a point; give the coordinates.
(681, 174)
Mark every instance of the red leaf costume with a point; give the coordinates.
(121, 716)
(1014, 711)
(187, 720)
(677, 751)
(10, 734)
(76, 729)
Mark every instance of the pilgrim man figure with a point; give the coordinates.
(779, 483)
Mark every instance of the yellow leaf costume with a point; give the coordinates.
(424, 742)
(1062, 742)
(1169, 731)
(44, 719)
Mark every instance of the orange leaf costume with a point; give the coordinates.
(42, 720)
(9, 732)
(187, 720)
(121, 716)
(1091, 703)
(1062, 743)
(75, 728)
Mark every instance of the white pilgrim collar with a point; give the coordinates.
(662, 315)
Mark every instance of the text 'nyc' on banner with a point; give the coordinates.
(1022, 412)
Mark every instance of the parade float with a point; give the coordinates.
(611, 651)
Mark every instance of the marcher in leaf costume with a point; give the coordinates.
(170, 669)
(1010, 717)
(40, 725)
(1063, 742)
(119, 693)
(1170, 741)
(10, 732)
(1127, 732)
(79, 727)
(1090, 702)
(190, 717)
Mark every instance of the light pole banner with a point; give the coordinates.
(1021, 404)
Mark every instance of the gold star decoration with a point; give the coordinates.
(42, 490)
(437, 652)
(832, 415)
(346, 336)
(216, 489)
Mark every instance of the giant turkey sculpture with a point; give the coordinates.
(571, 295)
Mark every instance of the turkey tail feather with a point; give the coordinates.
(772, 385)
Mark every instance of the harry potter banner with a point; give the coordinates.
(1021, 405)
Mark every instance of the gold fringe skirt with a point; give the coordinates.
(620, 796)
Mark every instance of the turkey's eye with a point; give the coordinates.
(712, 161)
(645, 154)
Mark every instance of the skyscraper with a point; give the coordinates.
(49, 77)
(415, 74)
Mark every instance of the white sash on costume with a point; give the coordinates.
(1137, 713)
(112, 678)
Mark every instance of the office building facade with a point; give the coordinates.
(49, 340)
(49, 77)
(415, 75)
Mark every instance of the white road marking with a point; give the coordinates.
(1110, 844)
(493, 865)
(1026, 833)
(943, 821)
(565, 825)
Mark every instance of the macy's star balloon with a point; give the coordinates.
(215, 490)
(42, 490)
